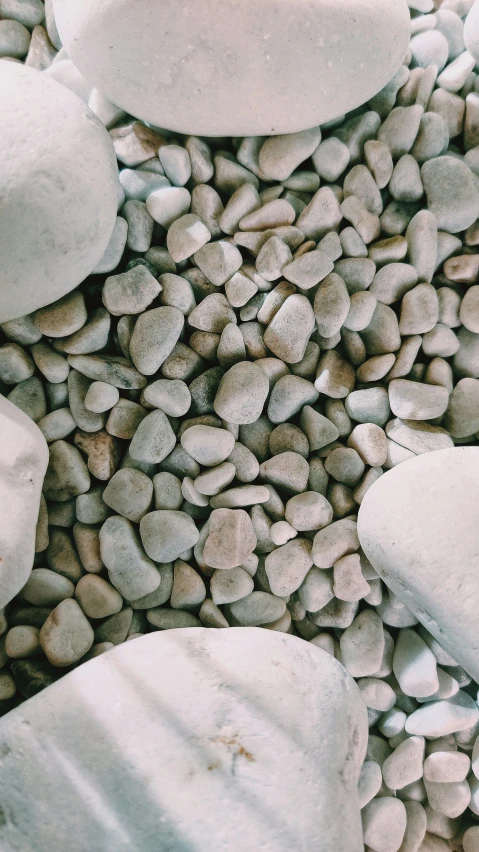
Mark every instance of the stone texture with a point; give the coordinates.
(269, 701)
(67, 207)
(165, 76)
(426, 550)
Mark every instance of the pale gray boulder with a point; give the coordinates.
(419, 527)
(191, 739)
(23, 462)
(58, 190)
(211, 70)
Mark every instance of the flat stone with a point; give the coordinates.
(129, 493)
(231, 538)
(362, 644)
(319, 430)
(67, 474)
(154, 439)
(384, 824)
(335, 541)
(213, 314)
(289, 395)
(417, 401)
(257, 608)
(307, 271)
(129, 568)
(186, 236)
(228, 586)
(288, 470)
(281, 155)
(425, 550)
(97, 597)
(130, 292)
(218, 261)
(331, 305)
(287, 566)
(288, 333)
(208, 445)
(78, 201)
(440, 718)
(23, 460)
(166, 204)
(461, 419)
(242, 393)
(274, 214)
(451, 193)
(313, 88)
(251, 673)
(66, 635)
(155, 334)
(113, 369)
(167, 534)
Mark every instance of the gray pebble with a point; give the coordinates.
(154, 336)
(67, 474)
(129, 568)
(257, 609)
(140, 226)
(331, 305)
(208, 445)
(101, 397)
(288, 333)
(129, 493)
(154, 439)
(242, 393)
(66, 635)
(231, 538)
(130, 292)
(186, 236)
(172, 396)
(124, 419)
(451, 193)
(288, 470)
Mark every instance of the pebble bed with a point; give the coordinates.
(276, 322)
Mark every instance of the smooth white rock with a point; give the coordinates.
(189, 739)
(471, 31)
(58, 191)
(23, 463)
(418, 527)
(211, 70)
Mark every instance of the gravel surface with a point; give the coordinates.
(276, 322)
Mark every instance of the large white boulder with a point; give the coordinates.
(57, 190)
(236, 68)
(419, 526)
(190, 740)
(471, 31)
(23, 462)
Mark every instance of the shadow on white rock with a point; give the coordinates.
(189, 740)
(236, 68)
(23, 462)
(419, 527)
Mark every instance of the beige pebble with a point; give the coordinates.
(231, 538)
(66, 635)
(97, 597)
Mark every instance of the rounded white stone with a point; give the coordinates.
(58, 191)
(215, 733)
(418, 527)
(23, 462)
(211, 70)
(471, 31)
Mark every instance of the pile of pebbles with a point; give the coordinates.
(276, 322)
